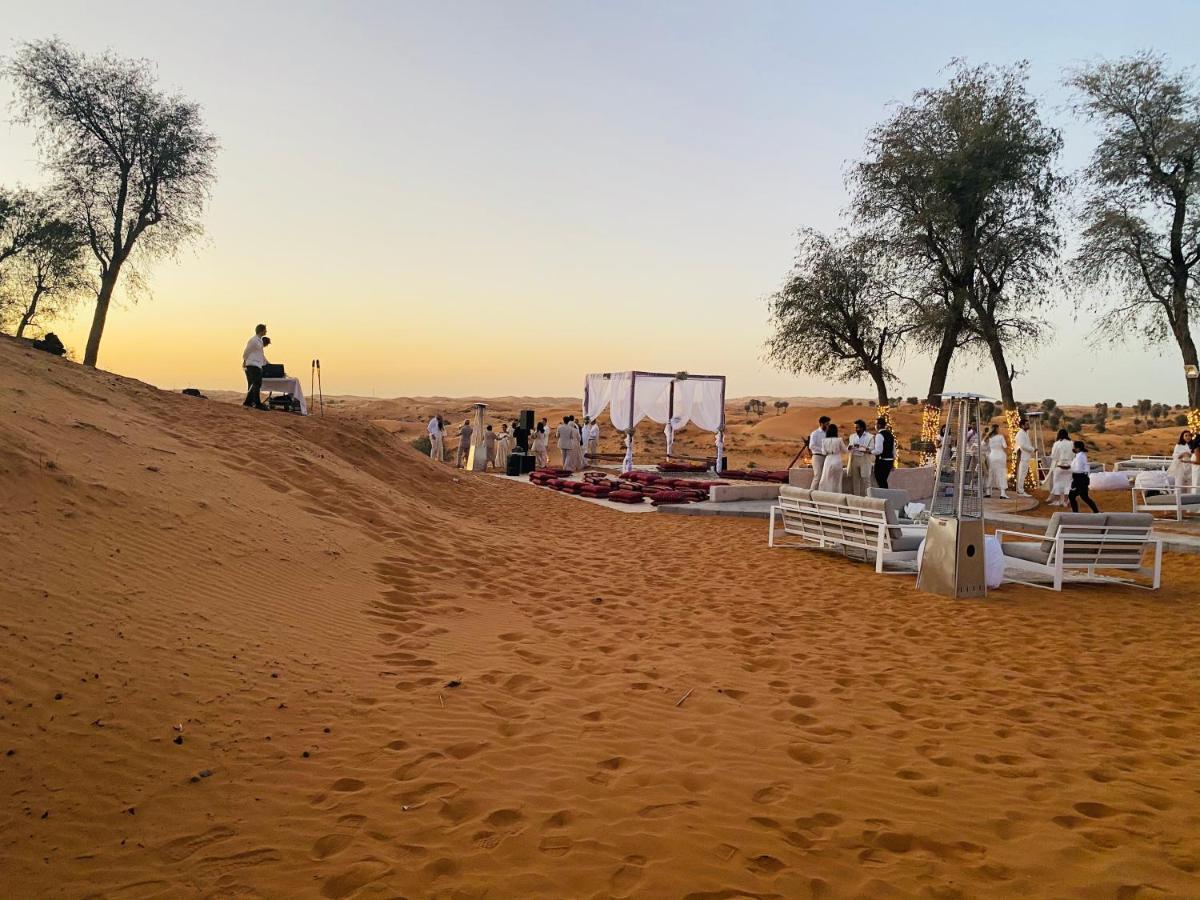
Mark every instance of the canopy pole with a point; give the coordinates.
(671, 420)
(632, 424)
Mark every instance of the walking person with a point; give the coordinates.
(1058, 479)
(1080, 479)
(831, 473)
(816, 442)
(884, 449)
(997, 459)
(861, 460)
(253, 360)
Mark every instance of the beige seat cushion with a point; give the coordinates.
(1065, 520)
(1026, 550)
(794, 493)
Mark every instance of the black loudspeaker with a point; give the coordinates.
(526, 419)
(528, 463)
(513, 466)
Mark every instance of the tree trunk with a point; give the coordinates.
(1187, 348)
(945, 354)
(881, 390)
(30, 312)
(108, 283)
(1003, 373)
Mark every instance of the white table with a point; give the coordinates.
(289, 385)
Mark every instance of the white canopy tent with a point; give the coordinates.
(673, 400)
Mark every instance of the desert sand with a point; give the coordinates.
(250, 654)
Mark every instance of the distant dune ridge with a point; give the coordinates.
(250, 654)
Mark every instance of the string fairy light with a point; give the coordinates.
(1012, 419)
(931, 424)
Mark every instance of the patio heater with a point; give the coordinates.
(477, 457)
(952, 564)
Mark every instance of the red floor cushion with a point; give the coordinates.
(626, 496)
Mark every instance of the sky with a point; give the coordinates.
(480, 198)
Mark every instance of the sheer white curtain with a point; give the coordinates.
(696, 400)
(652, 398)
(699, 400)
(597, 395)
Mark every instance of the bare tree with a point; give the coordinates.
(1140, 219)
(835, 316)
(955, 181)
(133, 164)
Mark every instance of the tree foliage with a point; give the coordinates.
(961, 184)
(49, 274)
(835, 316)
(1140, 219)
(132, 165)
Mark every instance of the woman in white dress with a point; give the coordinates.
(1180, 469)
(504, 445)
(541, 441)
(997, 458)
(1058, 478)
(834, 448)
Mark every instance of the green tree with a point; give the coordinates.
(961, 183)
(835, 316)
(1140, 218)
(133, 165)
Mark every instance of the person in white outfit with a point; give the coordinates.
(541, 445)
(831, 472)
(1180, 469)
(862, 461)
(816, 442)
(435, 438)
(1025, 453)
(591, 437)
(567, 437)
(997, 458)
(1058, 479)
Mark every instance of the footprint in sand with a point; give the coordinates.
(181, 848)
(354, 877)
(625, 878)
(662, 810)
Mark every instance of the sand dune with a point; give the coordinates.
(392, 680)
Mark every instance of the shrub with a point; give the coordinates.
(1049, 405)
(1181, 420)
(912, 401)
(1101, 426)
(421, 444)
(1119, 405)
